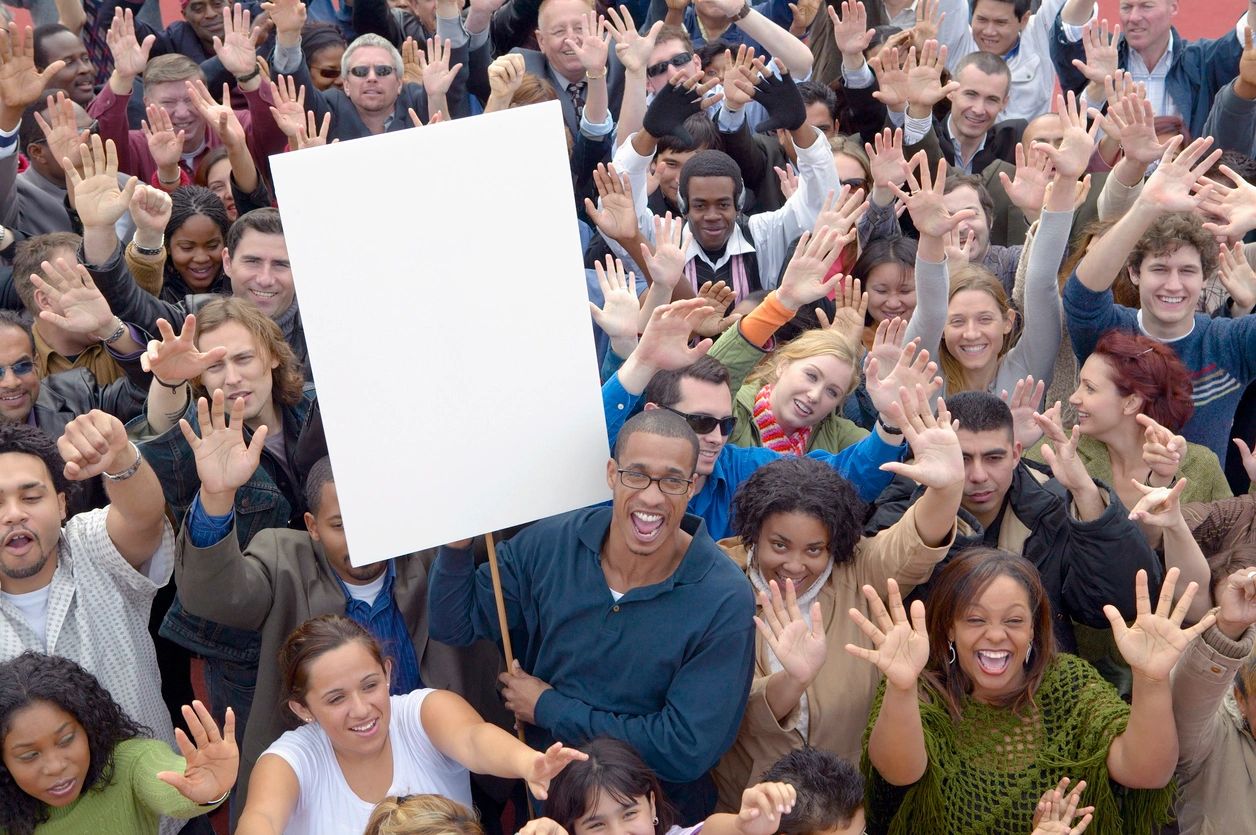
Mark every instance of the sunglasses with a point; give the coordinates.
(702, 424)
(334, 72)
(381, 70)
(655, 70)
(20, 368)
(855, 183)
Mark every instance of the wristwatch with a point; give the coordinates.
(745, 10)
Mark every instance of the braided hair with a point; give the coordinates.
(189, 202)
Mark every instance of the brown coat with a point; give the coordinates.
(839, 699)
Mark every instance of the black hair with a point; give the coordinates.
(899, 250)
(265, 221)
(664, 387)
(39, 37)
(33, 677)
(829, 790)
(15, 320)
(710, 164)
(801, 485)
(29, 132)
(658, 422)
(711, 50)
(614, 768)
(26, 439)
(188, 202)
(980, 411)
(814, 91)
(702, 132)
(320, 474)
(1020, 8)
(1242, 164)
(319, 35)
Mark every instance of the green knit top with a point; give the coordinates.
(133, 802)
(987, 771)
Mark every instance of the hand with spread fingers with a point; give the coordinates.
(800, 648)
(849, 313)
(617, 316)
(312, 134)
(1073, 155)
(891, 75)
(438, 75)
(718, 297)
(1238, 278)
(924, 87)
(1024, 401)
(924, 202)
(289, 107)
(1178, 184)
(546, 766)
(224, 462)
(666, 262)
(913, 369)
(1235, 204)
(164, 143)
(176, 359)
(850, 28)
(936, 458)
(1100, 45)
(1067, 467)
(75, 304)
(676, 102)
(98, 198)
(806, 279)
(213, 761)
(900, 645)
(1028, 190)
(631, 47)
(411, 66)
(616, 216)
(1058, 807)
(61, 131)
(130, 57)
(21, 84)
(1156, 640)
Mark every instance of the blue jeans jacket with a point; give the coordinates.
(264, 502)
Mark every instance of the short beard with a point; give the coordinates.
(27, 572)
(363, 573)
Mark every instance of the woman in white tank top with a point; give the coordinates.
(358, 745)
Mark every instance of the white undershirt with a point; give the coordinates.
(368, 591)
(616, 595)
(34, 608)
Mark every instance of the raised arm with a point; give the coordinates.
(633, 50)
(109, 108)
(788, 51)
(174, 362)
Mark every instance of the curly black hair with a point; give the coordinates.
(34, 677)
(801, 485)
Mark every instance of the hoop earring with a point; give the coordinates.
(1029, 654)
(656, 821)
(951, 660)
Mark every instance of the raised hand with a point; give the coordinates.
(804, 12)
(800, 648)
(842, 212)
(236, 48)
(1238, 278)
(928, 22)
(787, 176)
(1078, 146)
(924, 85)
(1100, 45)
(911, 370)
(805, 279)
(312, 134)
(1236, 599)
(850, 28)
(1159, 507)
(849, 314)
(97, 197)
(891, 78)
(618, 314)
(762, 807)
(592, 45)
(1162, 449)
(1133, 120)
(1236, 205)
(1056, 810)
(438, 76)
(632, 48)
(960, 245)
(887, 343)
(676, 102)
(885, 158)
(213, 762)
(211, 111)
(1156, 640)
(741, 73)
(616, 217)
(901, 646)
(61, 131)
(928, 211)
(165, 145)
(1060, 454)
(718, 296)
(937, 460)
(1024, 401)
(288, 110)
(1028, 191)
(176, 359)
(666, 262)
(95, 443)
(505, 75)
(664, 343)
(546, 767)
(75, 304)
(129, 55)
(1178, 183)
(224, 463)
(411, 66)
(20, 83)
(150, 209)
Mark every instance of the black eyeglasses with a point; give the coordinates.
(381, 70)
(672, 485)
(702, 424)
(21, 368)
(334, 72)
(655, 70)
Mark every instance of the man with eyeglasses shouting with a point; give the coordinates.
(631, 621)
(375, 98)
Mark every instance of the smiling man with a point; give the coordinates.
(630, 620)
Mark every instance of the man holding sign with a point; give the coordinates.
(633, 622)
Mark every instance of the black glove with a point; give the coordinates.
(781, 99)
(666, 115)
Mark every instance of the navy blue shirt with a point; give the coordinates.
(666, 668)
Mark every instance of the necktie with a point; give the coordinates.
(576, 91)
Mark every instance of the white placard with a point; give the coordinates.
(442, 292)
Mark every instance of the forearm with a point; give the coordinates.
(936, 510)
(783, 693)
(896, 746)
(243, 168)
(1181, 550)
(70, 14)
(1144, 755)
(137, 510)
(1107, 255)
(1088, 501)
(1077, 12)
(632, 108)
(165, 405)
(596, 101)
(487, 749)
(788, 50)
(452, 599)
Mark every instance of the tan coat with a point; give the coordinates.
(1216, 770)
(839, 699)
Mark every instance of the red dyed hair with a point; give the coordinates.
(1151, 370)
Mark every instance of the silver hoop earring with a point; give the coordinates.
(1028, 654)
(656, 821)
(951, 660)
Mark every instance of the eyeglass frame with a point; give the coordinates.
(720, 423)
(381, 70)
(17, 372)
(688, 482)
(677, 60)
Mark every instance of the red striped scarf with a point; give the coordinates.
(771, 434)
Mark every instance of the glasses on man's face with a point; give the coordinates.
(702, 424)
(655, 70)
(672, 485)
(20, 368)
(363, 70)
(334, 72)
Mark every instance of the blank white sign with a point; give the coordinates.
(442, 290)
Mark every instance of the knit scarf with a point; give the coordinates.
(987, 771)
(287, 321)
(771, 434)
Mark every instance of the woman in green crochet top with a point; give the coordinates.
(979, 715)
(71, 761)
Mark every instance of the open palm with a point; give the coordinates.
(1156, 640)
(224, 462)
(212, 763)
(901, 646)
(800, 648)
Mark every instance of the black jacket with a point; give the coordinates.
(1083, 565)
(1001, 144)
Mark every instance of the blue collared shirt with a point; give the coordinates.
(383, 620)
(859, 463)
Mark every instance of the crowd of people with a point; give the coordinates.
(927, 338)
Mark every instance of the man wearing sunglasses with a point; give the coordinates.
(627, 619)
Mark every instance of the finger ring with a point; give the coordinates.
(1251, 574)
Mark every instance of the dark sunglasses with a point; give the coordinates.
(856, 183)
(381, 70)
(334, 72)
(21, 368)
(702, 424)
(655, 70)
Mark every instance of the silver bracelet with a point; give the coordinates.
(219, 800)
(129, 471)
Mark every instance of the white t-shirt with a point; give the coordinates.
(34, 608)
(327, 806)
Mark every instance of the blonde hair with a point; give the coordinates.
(849, 146)
(171, 67)
(422, 814)
(972, 277)
(812, 343)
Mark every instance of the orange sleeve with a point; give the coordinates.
(763, 322)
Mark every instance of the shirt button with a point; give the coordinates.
(620, 406)
(615, 608)
(1215, 668)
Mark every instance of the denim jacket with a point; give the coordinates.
(266, 501)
